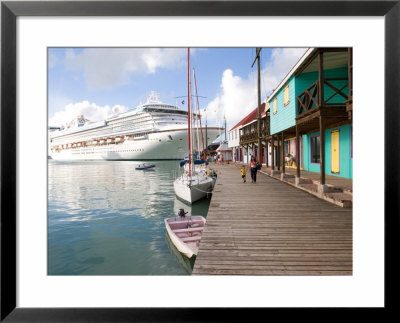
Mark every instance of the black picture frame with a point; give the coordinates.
(10, 10)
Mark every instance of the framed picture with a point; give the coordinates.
(188, 14)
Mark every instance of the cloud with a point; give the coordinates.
(238, 96)
(90, 111)
(107, 68)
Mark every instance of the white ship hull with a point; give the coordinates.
(157, 145)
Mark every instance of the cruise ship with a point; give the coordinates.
(151, 131)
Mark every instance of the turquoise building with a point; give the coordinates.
(311, 115)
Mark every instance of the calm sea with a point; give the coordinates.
(106, 218)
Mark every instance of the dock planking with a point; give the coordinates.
(272, 228)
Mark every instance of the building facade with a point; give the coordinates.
(311, 115)
(244, 136)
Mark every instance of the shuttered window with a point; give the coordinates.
(275, 111)
(286, 95)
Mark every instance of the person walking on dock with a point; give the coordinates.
(253, 169)
(243, 172)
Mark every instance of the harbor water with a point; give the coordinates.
(106, 218)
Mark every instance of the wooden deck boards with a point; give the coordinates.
(272, 228)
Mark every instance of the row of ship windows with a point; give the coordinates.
(99, 133)
(97, 151)
(129, 123)
(129, 119)
(118, 126)
(88, 137)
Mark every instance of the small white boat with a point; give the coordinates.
(185, 232)
(145, 166)
(191, 188)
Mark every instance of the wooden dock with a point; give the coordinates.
(272, 228)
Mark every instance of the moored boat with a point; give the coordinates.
(192, 185)
(145, 166)
(185, 232)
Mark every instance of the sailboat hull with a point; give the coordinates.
(192, 190)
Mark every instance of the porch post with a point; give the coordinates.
(272, 153)
(283, 154)
(267, 152)
(278, 151)
(350, 71)
(321, 99)
(297, 151)
(322, 149)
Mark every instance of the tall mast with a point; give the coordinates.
(198, 110)
(190, 147)
(195, 115)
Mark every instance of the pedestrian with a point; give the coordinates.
(243, 172)
(253, 169)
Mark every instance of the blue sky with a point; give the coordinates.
(98, 82)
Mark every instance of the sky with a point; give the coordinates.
(98, 82)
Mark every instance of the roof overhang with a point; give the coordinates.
(292, 71)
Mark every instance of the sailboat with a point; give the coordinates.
(198, 157)
(192, 185)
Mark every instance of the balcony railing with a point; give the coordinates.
(252, 137)
(309, 99)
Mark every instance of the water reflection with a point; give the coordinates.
(106, 218)
(185, 262)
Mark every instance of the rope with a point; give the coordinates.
(207, 192)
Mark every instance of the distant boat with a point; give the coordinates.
(145, 166)
(185, 232)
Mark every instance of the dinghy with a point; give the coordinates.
(145, 166)
(185, 232)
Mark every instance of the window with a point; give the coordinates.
(315, 152)
(275, 106)
(286, 95)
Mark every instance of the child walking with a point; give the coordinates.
(243, 171)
